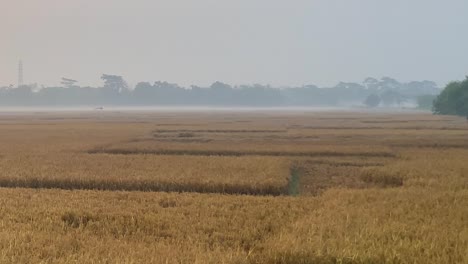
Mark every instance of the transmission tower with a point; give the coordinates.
(20, 73)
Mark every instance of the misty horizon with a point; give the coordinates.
(21, 65)
(387, 92)
(77, 83)
(134, 83)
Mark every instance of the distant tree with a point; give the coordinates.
(144, 93)
(453, 100)
(389, 83)
(219, 86)
(115, 83)
(68, 83)
(391, 98)
(372, 100)
(421, 88)
(349, 85)
(143, 88)
(371, 83)
(426, 101)
(221, 94)
(22, 95)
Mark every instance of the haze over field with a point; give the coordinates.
(275, 42)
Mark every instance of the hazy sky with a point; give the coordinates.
(274, 42)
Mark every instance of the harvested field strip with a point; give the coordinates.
(348, 164)
(145, 186)
(240, 153)
(226, 175)
(380, 128)
(433, 145)
(402, 121)
(216, 131)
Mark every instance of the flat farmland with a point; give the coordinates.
(233, 187)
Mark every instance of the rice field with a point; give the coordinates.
(233, 187)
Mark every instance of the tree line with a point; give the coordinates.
(115, 91)
(453, 100)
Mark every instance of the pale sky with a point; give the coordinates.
(277, 42)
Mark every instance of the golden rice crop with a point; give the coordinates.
(253, 175)
(373, 188)
(58, 226)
